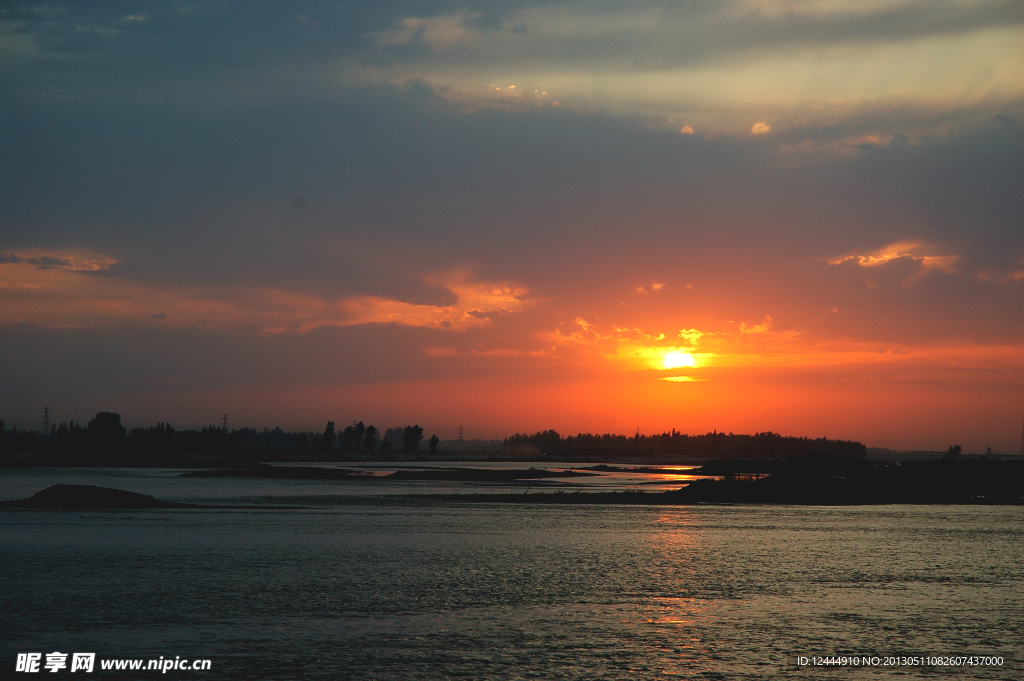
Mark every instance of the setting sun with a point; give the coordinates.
(675, 360)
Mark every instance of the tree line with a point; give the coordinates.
(359, 437)
(105, 433)
(714, 445)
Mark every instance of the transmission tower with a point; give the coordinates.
(46, 421)
(460, 435)
(224, 423)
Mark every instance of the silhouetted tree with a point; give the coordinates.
(70, 436)
(153, 438)
(358, 431)
(369, 439)
(301, 442)
(393, 436)
(274, 438)
(105, 432)
(329, 437)
(411, 436)
(347, 438)
(385, 445)
(434, 440)
(955, 450)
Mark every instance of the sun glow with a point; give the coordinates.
(676, 360)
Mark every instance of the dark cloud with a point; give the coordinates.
(169, 40)
(44, 263)
(566, 204)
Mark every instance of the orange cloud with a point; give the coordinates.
(650, 288)
(477, 304)
(760, 128)
(61, 290)
(911, 251)
(759, 351)
(764, 327)
(71, 261)
(691, 336)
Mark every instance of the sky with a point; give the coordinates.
(801, 216)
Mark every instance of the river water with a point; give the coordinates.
(363, 584)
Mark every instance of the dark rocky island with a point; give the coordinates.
(817, 479)
(89, 497)
(93, 498)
